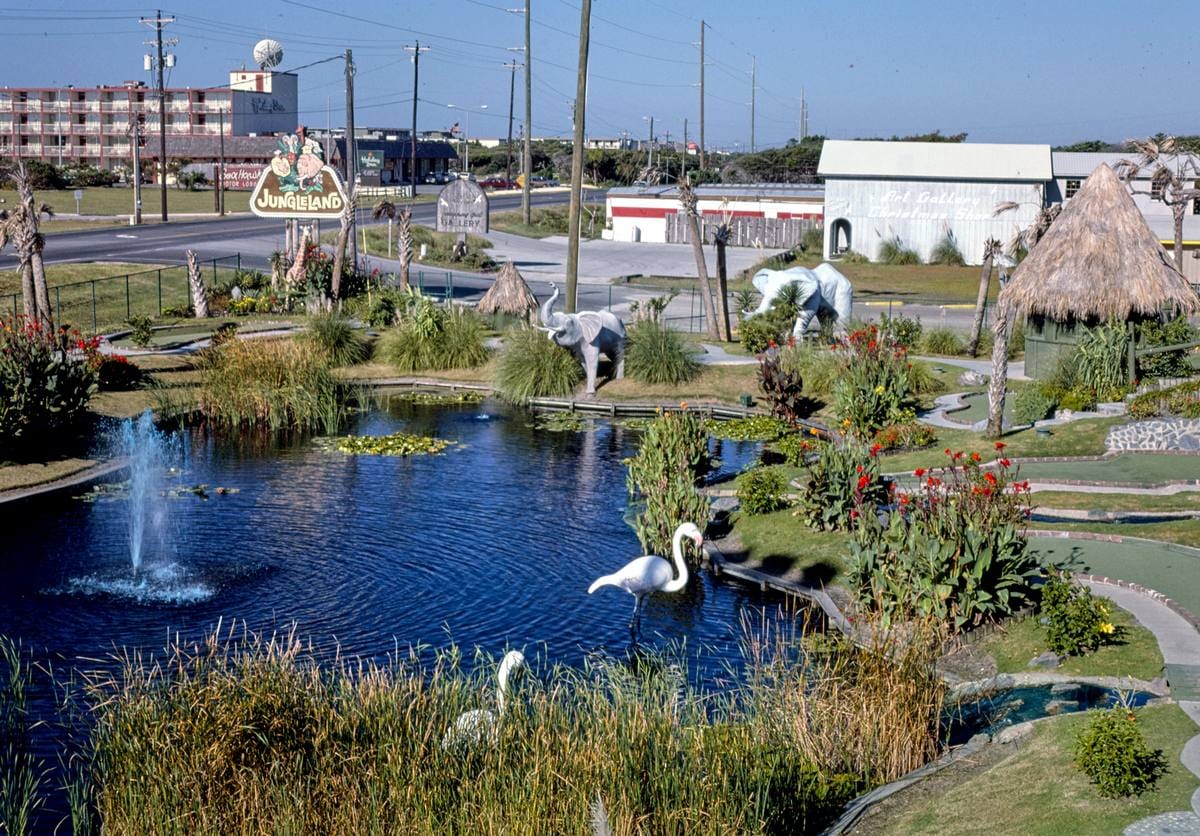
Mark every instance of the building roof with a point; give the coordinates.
(434, 149)
(757, 191)
(209, 145)
(1098, 260)
(1081, 164)
(508, 294)
(934, 160)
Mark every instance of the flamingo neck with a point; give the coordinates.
(680, 566)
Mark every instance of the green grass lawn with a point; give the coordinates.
(373, 240)
(780, 543)
(549, 220)
(1183, 501)
(1037, 790)
(117, 200)
(1134, 652)
(1147, 468)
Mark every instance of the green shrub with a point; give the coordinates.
(141, 331)
(1154, 333)
(44, 385)
(1078, 399)
(922, 380)
(943, 341)
(762, 490)
(946, 251)
(757, 333)
(854, 257)
(816, 365)
(1100, 359)
(903, 330)
(1032, 404)
(1181, 400)
(532, 366)
(332, 334)
(911, 435)
(872, 389)
(429, 337)
(843, 478)
(671, 457)
(782, 387)
(276, 384)
(893, 251)
(795, 447)
(1112, 752)
(813, 240)
(954, 550)
(1076, 621)
(114, 373)
(656, 354)
(382, 310)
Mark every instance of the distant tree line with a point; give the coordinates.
(43, 176)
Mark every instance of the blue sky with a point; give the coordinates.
(1051, 71)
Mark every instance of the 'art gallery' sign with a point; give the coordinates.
(462, 207)
(298, 184)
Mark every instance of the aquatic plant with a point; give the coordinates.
(531, 366)
(752, 428)
(334, 335)
(395, 444)
(672, 455)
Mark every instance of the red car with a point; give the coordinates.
(497, 182)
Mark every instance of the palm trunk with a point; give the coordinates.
(985, 279)
(339, 256)
(1177, 210)
(710, 311)
(723, 291)
(999, 381)
(404, 245)
(41, 291)
(28, 296)
(196, 283)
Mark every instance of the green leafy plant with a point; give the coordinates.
(1033, 403)
(873, 388)
(910, 435)
(656, 354)
(1100, 358)
(753, 428)
(1155, 333)
(395, 444)
(762, 490)
(903, 330)
(114, 373)
(46, 381)
(141, 331)
(946, 251)
(953, 550)
(892, 251)
(531, 366)
(334, 335)
(817, 366)
(671, 457)
(1078, 399)
(1112, 752)
(783, 387)
(1182, 399)
(430, 337)
(843, 479)
(1077, 622)
(943, 341)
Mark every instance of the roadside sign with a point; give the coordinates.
(520, 181)
(297, 183)
(78, 197)
(462, 207)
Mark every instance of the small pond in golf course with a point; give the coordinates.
(491, 544)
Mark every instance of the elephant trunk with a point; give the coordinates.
(548, 306)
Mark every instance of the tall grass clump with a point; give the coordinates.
(943, 341)
(656, 354)
(276, 384)
(532, 366)
(21, 774)
(334, 336)
(249, 730)
(671, 458)
(892, 251)
(817, 366)
(946, 251)
(429, 337)
(1100, 358)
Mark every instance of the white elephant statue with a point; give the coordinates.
(823, 292)
(587, 334)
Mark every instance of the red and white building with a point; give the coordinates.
(773, 214)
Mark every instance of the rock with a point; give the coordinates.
(972, 379)
(1064, 688)
(1054, 707)
(725, 503)
(977, 740)
(1048, 659)
(1014, 733)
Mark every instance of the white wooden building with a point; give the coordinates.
(920, 192)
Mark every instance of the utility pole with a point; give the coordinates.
(753, 92)
(702, 25)
(416, 51)
(219, 173)
(158, 22)
(683, 159)
(667, 175)
(585, 16)
(803, 116)
(135, 135)
(512, 89)
(527, 146)
(650, 144)
(351, 156)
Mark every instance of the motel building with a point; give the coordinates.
(774, 215)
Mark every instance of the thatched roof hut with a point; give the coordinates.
(509, 296)
(1098, 261)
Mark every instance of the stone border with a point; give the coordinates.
(96, 471)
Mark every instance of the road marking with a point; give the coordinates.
(124, 235)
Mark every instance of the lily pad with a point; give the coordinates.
(396, 444)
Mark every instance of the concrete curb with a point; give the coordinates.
(97, 471)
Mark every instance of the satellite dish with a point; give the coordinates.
(268, 54)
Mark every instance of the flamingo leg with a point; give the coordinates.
(635, 622)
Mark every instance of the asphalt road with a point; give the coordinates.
(255, 238)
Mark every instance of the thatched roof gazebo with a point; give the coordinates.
(509, 297)
(1098, 261)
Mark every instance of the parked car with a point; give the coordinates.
(543, 182)
(497, 182)
(437, 178)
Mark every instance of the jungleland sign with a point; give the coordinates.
(462, 207)
(297, 183)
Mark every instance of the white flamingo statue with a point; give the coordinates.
(474, 727)
(651, 573)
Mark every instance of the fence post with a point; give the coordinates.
(1132, 359)
(95, 328)
(239, 260)
(610, 297)
(160, 291)
(128, 310)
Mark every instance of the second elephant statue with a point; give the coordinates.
(588, 334)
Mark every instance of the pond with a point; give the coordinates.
(492, 544)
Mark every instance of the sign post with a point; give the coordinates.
(78, 197)
(462, 207)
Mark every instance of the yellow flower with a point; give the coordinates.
(879, 390)
(1107, 628)
(814, 431)
(683, 404)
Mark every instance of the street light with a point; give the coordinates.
(466, 135)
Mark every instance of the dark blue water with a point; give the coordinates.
(492, 544)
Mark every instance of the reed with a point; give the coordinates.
(249, 733)
(656, 354)
(334, 335)
(431, 338)
(531, 366)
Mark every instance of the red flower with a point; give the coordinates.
(853, 513)
(1005, 462)
(990, 477)
(863, 481)
(975, 457)
(1000, 445)
(919, 472)
(875, 448)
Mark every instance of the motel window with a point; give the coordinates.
(1156, 190)
(1072, 188)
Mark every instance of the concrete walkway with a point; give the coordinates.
(1180, 646)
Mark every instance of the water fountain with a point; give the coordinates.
(145, 448)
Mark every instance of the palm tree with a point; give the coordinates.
(21, 226)
(404, 240)
(1171, 170)
(687, 196)
(991, 249)
(721, 240)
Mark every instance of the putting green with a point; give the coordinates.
(1170, 569)
(1146, 468)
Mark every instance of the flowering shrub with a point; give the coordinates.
(873, 388)
(953, 549)
(1113, 754)
(671, 457)
(910, 435)
(1077, 622)
(46, 381)
(843, 481)
(762, 490)
(114, 373)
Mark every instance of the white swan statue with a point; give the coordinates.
(473, 728)
(651, 573)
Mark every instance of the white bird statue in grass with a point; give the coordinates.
(651, 573)
(472, 728)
